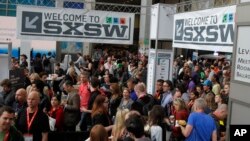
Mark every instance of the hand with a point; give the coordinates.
(83, 109)
(45, 110)
(64, 102)
(167, 121)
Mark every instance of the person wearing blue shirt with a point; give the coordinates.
(131, 84)
(200, 126)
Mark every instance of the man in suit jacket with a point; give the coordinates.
(71, 107)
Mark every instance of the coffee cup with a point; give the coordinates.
(171, 119)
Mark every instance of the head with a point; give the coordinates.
(94, 84)
(221, 112)
(199, 88)
(57, 66)
(100, 105)
(215, 78)
(218, 99)
(126, 93)
(33, 99)
(207, 85)
(167, 86)
(84, 77)
(186, 65)
(156, 115)
(226, 88)
(23, 57)
(72, 71)
(197, 68)
(79, 54)
(210, 100)
(199, 105)
(135, 126)
(98, 133)
(33, 77)
(115, 89)
(177, 94)
(38, 85)
(26, 72)
(43, 76)
(21, 95)
(131, 83)
(7, 115)
(109, 59)
(179, 104)
(159, 85)
(106, 78)
(71, 64)
(194, 95)
(38, 56)
(44, 56)
(68, 86)
(55, 100)
(49, 53)
(140, 89)
(132, 113)
(6, 84)
(106, 72)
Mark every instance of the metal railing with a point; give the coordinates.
(195, 5)
(184, 6)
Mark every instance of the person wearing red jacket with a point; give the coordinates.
(56, 112)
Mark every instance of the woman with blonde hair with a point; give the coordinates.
(71, 76)
(32, 77)
(181, 113)
(119, 129)
(211, 105)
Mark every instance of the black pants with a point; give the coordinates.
(85, 122)
(69, 128)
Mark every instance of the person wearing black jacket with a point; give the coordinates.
(9, 132)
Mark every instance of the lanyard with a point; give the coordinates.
(30, 121)
(6, 136)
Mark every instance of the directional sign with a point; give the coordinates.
(32, 22)
(74, 25)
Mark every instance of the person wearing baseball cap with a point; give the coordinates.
(207, 87)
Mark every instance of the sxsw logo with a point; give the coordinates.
(228, 18)
(49, 24)
(204, 34)
(115, 20)
(32, 22)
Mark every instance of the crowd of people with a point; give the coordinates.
(108, 100)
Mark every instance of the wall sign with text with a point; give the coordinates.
(211, 29)
(242, 61)
(60, 24)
